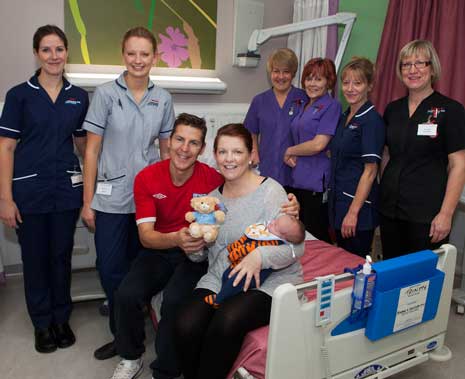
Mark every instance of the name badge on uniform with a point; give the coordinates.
(104, 189)
(76, 179)
(427, 130)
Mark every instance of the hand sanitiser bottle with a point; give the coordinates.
(363, 286)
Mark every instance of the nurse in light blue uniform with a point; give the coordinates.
(125, 118)
(356, 152)
(41, 184)
(270, 115)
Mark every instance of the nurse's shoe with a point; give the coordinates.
(127, 369)
(45, 340)
(106, 351)
(64, 336)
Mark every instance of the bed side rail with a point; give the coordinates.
(344, 277)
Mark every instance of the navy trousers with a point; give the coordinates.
(116, 243)
(46, 242)
(359, 245)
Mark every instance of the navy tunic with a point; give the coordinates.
(360, 142)
(44, 158)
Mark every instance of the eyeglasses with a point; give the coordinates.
(418, 65)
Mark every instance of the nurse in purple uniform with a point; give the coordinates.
(311, 131)
(270, 116)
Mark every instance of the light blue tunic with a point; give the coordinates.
(129, 131)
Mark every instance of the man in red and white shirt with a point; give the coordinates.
(162, 193)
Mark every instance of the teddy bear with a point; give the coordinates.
(205, 218)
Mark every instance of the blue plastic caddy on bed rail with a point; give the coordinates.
(406, 293)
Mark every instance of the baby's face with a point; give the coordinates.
(280, 226)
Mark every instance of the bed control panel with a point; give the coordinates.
(324, 300)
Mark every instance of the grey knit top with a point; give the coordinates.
(261, 205)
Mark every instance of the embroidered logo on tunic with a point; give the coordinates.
(318, 108)
(353, 126)
(72, 101)
(435, 111)
(433, 114)
(295, 104)
(159, 196)
(154, 102)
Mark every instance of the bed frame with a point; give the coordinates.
(298, 349)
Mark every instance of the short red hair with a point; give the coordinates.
(323, 67)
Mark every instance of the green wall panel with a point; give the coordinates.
(366, 33)
(95, 29)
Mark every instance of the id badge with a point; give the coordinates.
(104, 189)
(429, 130)
(76, 179)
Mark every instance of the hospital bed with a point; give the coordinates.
(293, 347)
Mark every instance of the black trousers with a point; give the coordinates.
(153, 271)
(208, 340)
(313, 213)
(399, 237)
(46, 242)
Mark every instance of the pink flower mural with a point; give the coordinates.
(173, 48)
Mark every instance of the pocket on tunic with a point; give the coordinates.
(352, 196)
(25, 188)
(112, 176)
(24, 177)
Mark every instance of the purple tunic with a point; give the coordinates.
(313, 172)
(272, 123)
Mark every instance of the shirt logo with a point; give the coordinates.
(159, 196)
(353, 126)
(434, 112)
(154, 102)
(72, 101)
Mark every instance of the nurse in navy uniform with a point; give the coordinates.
(356, 152)
(424, 157)
(41, 184)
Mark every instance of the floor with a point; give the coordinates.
(18, 359)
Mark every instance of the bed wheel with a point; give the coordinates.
(460, 309)
(442, 354)
(103, 308)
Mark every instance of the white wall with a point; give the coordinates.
(20, 18)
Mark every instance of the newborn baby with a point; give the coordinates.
(284, 229)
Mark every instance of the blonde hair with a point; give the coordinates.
(417, 47)
(363, 67)
(283, 57)
(141, 32)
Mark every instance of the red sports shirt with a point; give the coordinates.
(158, 200)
